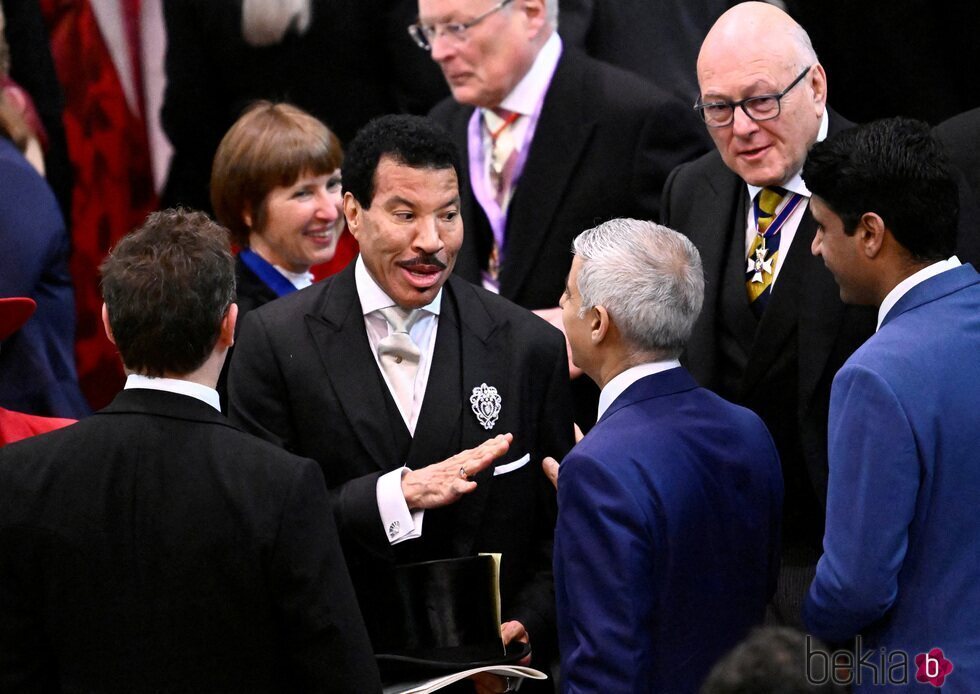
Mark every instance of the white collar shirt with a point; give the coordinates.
(175, 385)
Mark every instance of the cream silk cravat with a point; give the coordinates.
(399, 355)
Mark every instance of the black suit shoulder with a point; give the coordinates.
(602, 88)
(709, 167)
(613, 87)
(137, 415)
(447, 110)
(536, 334)
(285, 310)
(708, 164)
(186, 536)
(960, 135)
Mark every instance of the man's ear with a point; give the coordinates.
(818, 84)
(247, 215)
(599, 323)
(226, 337)
(872, 231)
(536, 12)
(105, 324)
(353, 213)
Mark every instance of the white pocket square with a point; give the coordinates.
(510, 467)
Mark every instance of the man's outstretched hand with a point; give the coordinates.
(441, 484)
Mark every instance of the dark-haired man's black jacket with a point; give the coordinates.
(153, 547)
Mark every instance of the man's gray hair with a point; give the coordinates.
(649, 279)
(551, 6)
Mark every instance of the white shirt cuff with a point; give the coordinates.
(400, 524)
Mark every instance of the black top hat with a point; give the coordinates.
(448, 618)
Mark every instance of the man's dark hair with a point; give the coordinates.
(409, 140)
(771, 660)
(896, 169)
(167, 286)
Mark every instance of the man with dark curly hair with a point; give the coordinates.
(394, 364)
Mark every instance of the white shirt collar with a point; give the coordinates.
(528, 93)
(903, 287)
(175, 385)
(796, 184)
(373, 297)
(624, 380)
(300, 280)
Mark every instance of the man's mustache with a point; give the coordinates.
(424, 259)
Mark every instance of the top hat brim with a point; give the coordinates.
(456, 658)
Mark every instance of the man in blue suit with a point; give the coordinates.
(666, 548)
(900, 566)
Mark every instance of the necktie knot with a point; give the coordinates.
(497, 121)
(400, 320)
(766, 204)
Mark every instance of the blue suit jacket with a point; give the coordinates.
(37, 363)
(667, 538)
(901, 562)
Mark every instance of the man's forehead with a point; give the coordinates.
(743, 69)
(394, 179)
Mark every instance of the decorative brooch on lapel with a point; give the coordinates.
(486, 405)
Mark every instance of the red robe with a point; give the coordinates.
(15, 426)
(110, 157)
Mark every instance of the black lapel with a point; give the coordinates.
(562, 133)
(805, 299)
(722, 202)
(336, 326)
(485, 355)
(735, 305)
(779, 322)
(437, 431)
(469, 260)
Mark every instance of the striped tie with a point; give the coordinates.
(764, 251)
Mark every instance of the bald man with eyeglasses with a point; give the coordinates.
(773, 331)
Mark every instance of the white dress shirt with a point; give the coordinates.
(788, 232)
(526, 98)
(300, 280)
(399, 522)
(175, 385)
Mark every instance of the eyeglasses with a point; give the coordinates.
(718, 114)
(425, 34)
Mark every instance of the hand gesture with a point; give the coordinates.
(441, 484)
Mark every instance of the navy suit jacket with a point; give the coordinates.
(37, 364)
(154, 547)
(666, 549)
(901, 562)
